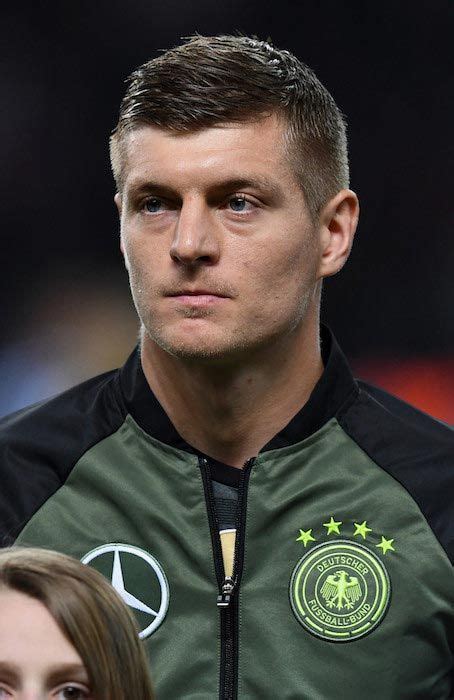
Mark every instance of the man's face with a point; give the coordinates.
(222, 254)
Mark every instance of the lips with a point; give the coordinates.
(195, 293)
(196, 298)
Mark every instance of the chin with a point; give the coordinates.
(194, 346)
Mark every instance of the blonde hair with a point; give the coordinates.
(89, 613)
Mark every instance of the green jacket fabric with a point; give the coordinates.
(343, 584)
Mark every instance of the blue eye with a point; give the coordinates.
(153, 205)
(238, 204)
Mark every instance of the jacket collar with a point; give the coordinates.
(335, 388)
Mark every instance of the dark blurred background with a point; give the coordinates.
(66, 313)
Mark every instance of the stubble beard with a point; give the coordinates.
(219, 350)
(223, 347)
(217, 347)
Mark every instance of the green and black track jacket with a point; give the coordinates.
(342, 582)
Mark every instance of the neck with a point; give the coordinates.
(230, 412)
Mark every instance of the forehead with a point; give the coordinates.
(256, 147)
(29, 630)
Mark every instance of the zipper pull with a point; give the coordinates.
(225, 597)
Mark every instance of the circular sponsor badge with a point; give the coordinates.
(340, 591)
(138, 578)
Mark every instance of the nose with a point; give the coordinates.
(195, 238)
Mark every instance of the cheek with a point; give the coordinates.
(281, 281)
(280, 268)
(140, 259)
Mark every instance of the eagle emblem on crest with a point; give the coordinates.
(341, 590)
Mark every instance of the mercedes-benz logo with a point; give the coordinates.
(156, 596)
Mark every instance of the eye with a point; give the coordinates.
(240, 204)
(72, 692)
(153, 205)
(4, 694)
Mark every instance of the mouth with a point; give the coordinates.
(196, 297)
(187, 292)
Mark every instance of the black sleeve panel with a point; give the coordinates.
(414, 448)
(39, 446)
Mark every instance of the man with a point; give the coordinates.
(255, 505)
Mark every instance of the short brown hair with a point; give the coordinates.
(90, 614)
(211, 80)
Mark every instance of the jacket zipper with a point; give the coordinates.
(227, 599)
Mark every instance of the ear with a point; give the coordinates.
(118, 203)
(123, 252)
(338, 221)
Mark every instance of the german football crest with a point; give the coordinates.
(340, 590)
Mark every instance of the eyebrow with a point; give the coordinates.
(65, 672)
(140, 185)
(9, 671)
(56, 674)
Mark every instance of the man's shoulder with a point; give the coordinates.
(98, 397)
(40, 445)
(61, 428)
(414, 448)
(376, 413)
